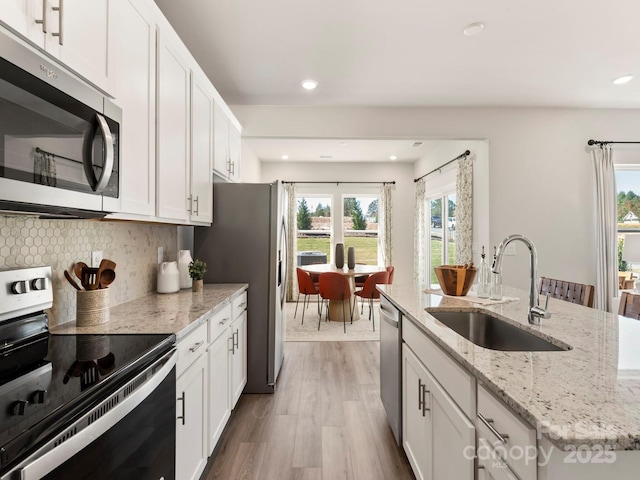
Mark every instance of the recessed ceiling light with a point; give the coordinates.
(285, 157)
(326, 157)
(623, 79)
(309, 84)
(393, 157)
(473, 29)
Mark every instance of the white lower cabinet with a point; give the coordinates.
(219, 406)
(438, 437)
(238, 356)
(490, 465)
(191, 420)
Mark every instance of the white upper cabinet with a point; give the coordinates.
(173, 130)
(227, 140)
(201, 192)
(133, 62)
(76, 32)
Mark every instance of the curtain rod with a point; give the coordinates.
(604, 142)
(465, 154)
(392, 182)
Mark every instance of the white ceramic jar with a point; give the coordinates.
(168, 277)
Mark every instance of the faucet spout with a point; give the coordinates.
(535, 311)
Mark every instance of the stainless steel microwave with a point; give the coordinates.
(59, 139)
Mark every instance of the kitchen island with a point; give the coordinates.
(582, 405)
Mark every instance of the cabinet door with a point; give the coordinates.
(490, 465)
(83, 29)
(453, 436)
(235, 145)
(202, 107)
(21, 16)
(133, 62)
(219, 405)
(173, 131)
(238, 357)
(416, 421)
(221, 161)
(191, 415)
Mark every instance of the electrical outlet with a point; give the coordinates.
(96, 258)
(511, 249)
(160, 254)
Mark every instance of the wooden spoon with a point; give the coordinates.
(73, 283)
(107, 276)
(77, 269)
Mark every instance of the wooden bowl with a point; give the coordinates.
(455, 280)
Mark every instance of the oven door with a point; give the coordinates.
(130, 435)
(59, 140)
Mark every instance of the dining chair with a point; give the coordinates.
(307, 288)
(370, 292)
(579, 293)
(391, 269)
(335, 286)
(629, 305)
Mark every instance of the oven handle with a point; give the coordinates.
(98, 185)
(45, 463)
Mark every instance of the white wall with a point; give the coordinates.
(540, 176)
(403, 196)
(250, 165)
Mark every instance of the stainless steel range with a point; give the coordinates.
(80, 406)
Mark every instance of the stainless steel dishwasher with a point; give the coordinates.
(391, 365)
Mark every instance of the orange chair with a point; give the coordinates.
(334, 286)
(369, 291)
(390, 269)
(307, 288)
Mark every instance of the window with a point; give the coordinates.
(315, 229)
(441, 232)
(360, 227)
(628, 200)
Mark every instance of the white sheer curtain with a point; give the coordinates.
(606, 228)
(292, 234)
(419, 242)
(464, 210)
(384, 224)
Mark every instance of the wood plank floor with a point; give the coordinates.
(325, 422)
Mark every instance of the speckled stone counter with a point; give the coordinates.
(178, 313)
(589, 395)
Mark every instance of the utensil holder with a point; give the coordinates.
(92, 307)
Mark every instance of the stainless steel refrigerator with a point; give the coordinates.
(247, 243)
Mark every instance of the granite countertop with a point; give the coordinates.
(589, 395)
(172, 313)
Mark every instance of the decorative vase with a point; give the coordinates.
(351, 258)
(197, 285)
(339, 255)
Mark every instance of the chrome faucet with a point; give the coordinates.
(535, 311)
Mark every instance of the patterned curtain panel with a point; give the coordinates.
(292, 234)
(464, 210)
(419, 246)
(384, 224)
(606, 229)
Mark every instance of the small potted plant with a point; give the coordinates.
(197, 269)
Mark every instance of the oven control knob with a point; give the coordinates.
(19, 287)
(39, 283)
(39, 396)
(18, 407)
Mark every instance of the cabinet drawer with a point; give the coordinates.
(490, 465)
(454, 379)
(191, 347)
(218, 322)
(507, 434)
(239, 304)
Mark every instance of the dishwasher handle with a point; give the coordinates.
(391, 319)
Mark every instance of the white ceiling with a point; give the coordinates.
(413, 52)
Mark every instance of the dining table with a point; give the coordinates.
(335, 306)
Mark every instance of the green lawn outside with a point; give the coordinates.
(436, 255)
(366, 248)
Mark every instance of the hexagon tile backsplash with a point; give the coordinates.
(28, 241)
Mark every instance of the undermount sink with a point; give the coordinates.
(490, 332)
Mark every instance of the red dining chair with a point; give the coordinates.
(334, 286)
(369, 291)
(307, 288)
(390, 269)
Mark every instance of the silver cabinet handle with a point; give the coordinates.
(60, 33)
(223, 321)
(503, 437)
(240, 305)
(183, 400)
(196, 346)
(236, 340)
(99, 184)
(420, 397)
(196, 202)
(190, 208)
(232, 349)
(44, 17)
